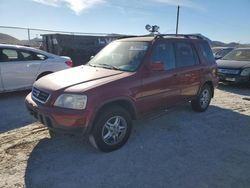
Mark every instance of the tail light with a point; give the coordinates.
(69, 63)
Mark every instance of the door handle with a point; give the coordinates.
(32, 64)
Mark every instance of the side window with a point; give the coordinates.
(185, 55)
(30, 56)
(3, 57)
(26, 56)
(164, 53)
(223, 52)
(206, 52)
(8, 55)
(40, 57)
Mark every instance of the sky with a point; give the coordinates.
(221, 20)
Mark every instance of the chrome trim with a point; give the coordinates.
(35, 98)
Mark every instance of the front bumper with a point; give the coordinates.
(58, 119)
(234, 78)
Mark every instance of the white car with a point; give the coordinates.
(21, 66)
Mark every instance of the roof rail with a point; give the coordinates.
(157, 36)
(180, 35)
(127, 36)
(132, 36)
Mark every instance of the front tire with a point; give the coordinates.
(111, 129)
(202, 101)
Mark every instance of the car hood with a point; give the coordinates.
(233, 64)
(72, 77)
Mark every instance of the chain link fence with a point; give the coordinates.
(78, 46)
(32, 36)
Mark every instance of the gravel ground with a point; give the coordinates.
(177, 148)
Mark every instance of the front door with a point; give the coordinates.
(19, 69)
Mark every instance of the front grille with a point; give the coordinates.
(228, 71)
(39, 95)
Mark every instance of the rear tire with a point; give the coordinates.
(111, 129)
(52, 134)
(202, 101)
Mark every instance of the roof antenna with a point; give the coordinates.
(177, 20)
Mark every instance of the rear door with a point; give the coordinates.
(160, 88)
(20, 68)
(189, 69)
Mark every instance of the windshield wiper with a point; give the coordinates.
(109, 66)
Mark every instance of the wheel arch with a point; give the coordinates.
(210, 84)
(43, 74)
(125, 103)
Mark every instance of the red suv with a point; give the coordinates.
(127, 79)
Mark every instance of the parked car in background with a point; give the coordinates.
(235, 66)
(126, 80)
(220, 52)
(21, 66)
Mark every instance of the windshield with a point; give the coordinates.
(215, 50)
(238, 55)
(121, 55)
(223, 52)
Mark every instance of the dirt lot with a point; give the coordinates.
(177, 148)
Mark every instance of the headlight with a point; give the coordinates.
(245, 72)
(71, 101)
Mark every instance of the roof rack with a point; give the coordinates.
(127, 36)
(179, 35)
(157, 36)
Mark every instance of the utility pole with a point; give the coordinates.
(29, 35)
(177, 21)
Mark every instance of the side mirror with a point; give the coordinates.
(157, 66)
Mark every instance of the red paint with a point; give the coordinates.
(147, 89)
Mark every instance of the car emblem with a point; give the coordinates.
(36, 93)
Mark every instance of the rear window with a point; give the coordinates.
(206, 52)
